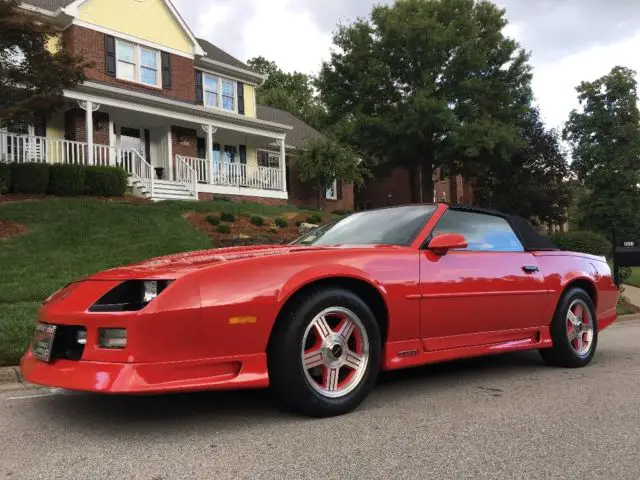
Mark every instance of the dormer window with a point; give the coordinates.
(220, 92)
(136, 63)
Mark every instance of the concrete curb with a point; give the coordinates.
(10, 378)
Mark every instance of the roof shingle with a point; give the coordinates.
(51, 5)
(219, 55)
(301, 134)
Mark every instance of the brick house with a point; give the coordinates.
(177, 112)
(401, 186)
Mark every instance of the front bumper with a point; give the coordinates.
(249, 371)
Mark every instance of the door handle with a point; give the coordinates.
(530, 269)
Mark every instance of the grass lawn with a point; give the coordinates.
(635, 277)
(72, 238)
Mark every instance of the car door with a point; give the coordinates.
(490, 292)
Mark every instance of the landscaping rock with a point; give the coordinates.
(306, 227)
(242, 236)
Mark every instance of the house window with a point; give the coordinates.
(137, 64)
(228, 95)
(332, 192)
(229, 153)
(220, 93)
(210, 91)
(268, 159)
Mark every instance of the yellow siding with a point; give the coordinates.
(252, 156)
(53, 43)
(249, 101)
(55, 129)
(147, 19)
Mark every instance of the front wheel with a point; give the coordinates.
(574, 331)
(325, 353)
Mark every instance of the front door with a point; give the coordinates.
(488, 293)
(131, 138)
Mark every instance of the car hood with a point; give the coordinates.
(174, 266)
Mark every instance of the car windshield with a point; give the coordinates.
(389, 226)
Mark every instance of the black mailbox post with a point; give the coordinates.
(625, 254)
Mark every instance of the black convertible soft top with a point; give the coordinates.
(531, 240)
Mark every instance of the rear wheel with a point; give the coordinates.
(325, 353)
(574, 331)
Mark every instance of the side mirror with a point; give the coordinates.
(441, 244)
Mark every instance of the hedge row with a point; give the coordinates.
(584, 242)
(63, 180)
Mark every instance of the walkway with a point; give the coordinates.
(632, 294)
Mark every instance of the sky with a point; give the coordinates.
(570, 40)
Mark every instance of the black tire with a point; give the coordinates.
(288, 380)
(562, 354)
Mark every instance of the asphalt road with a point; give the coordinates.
(500, 417)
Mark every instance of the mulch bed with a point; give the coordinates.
(10, 229)
(242, 228)
(632, 309)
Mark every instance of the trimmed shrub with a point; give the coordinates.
(227, 217)
(5, 178)
(342, 212)
(257, 221)
(281, 222)
(583, 241)
(213, 220)
(106, 181)
(30, 178)
(315, 219)
(67, 180)
(223, 228)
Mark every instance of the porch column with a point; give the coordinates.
(88, 112)
(283, 163)
(89, 108)
(209, 130)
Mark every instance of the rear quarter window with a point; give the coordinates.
(484, 233)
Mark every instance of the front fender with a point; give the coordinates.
(320, 272)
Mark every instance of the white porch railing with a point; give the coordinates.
(235, 174)
(135, 165)
(200, 166)
(26, 148)
(187, 175)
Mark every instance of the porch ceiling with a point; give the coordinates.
(174, 112)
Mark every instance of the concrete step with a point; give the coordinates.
(165, 182)
(161, 197)
(170, 188)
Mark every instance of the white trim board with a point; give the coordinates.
(126, 105)
(217, 73)
(131, 38)
(259, 76)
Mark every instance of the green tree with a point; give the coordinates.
(605, 136)
(427, 84)
(292, 92)
(325, 161)
(32, 79)
(534, 181)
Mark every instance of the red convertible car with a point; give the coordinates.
(317, 320)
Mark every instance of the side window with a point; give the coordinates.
(484, 233)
